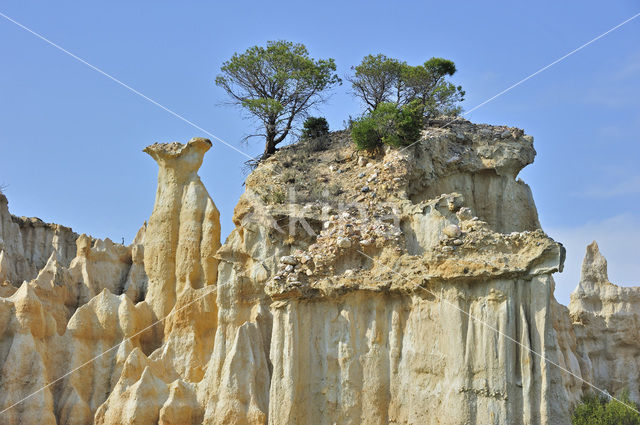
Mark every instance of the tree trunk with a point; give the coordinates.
(270, 146)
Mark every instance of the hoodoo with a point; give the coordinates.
(183, 233)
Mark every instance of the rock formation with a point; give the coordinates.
(605, 327)
(406, 286)
(183, 233)
(27, 243)
(115, 325)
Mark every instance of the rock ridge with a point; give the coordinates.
(356, 288)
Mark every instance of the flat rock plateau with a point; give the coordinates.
(406, 286)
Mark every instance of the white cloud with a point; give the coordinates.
(618, 238)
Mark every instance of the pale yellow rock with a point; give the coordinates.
(139, 403)
(27, 243)
(183, 233)
(404, 309)
(181, 406)
(74, 316)
(136, 284)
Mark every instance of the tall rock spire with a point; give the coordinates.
(183, 233)
(594, 267)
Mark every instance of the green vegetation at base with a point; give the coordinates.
(601, 410)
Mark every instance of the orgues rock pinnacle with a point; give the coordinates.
(183, 233)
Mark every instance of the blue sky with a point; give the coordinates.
(71, 139)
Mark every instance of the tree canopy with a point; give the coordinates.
(277, 84)
(379, 79)
(376, 80)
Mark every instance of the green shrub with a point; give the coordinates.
(388, 124)
(364, 133)
(599, 410)
(315, 127)
(315, 135)
(407, 125)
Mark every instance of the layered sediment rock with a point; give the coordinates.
(407, 286)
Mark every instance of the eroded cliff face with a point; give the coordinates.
(407, 286)
(27, 243)
(410, 306)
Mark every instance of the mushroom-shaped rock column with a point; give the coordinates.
(183, 233)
